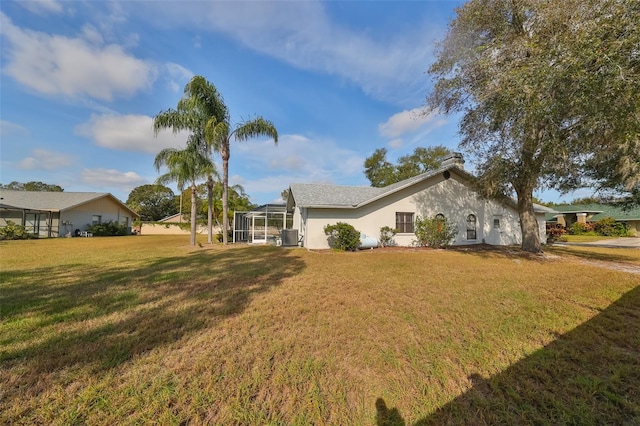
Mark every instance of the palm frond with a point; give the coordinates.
(254, 128)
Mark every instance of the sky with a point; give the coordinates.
(82, 80)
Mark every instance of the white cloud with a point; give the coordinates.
(59, 65)
(105, 178)
(176, 75)
(42, 159)
(395, 143)
(409, 121)
(42, 7)
(7, 128)
(129, 133)
(303, 35)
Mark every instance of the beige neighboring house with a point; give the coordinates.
(60, 214)
(447, 191)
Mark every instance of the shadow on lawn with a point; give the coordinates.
(100, 318)
(611, 256)
(490, 252)
(590, 375)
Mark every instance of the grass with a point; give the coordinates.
(585, 238)
(144, 329)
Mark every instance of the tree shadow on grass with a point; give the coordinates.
(73, 316)
(611, 256)
(590, 375)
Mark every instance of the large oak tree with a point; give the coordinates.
(152, 202)
(549, 93)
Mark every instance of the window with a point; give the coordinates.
(440, 216)
(404, 223)
(96, 219)
(471, 227)
(496, 222)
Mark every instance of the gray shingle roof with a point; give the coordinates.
(51, 201)
(340, 196)
(311, 194)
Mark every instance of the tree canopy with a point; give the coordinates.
(381, 172)
(548, 92)
(35, 186)
(152, 202)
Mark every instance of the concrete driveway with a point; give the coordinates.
(629, 242)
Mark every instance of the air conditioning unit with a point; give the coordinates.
(289, 237)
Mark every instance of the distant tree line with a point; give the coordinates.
(154, 202)
(32, 186)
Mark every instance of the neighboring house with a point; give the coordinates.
(567, 215)
(173, 225)
(447, 191)
(59, 214)
(176, 218)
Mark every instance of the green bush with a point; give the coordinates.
(608, 227)
(13, 231)
(434, 232)
(578, 228)
(229, 236)
(386, 236)
(342, 236)
(107, 229)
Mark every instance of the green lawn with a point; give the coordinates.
(130, 330)
(585, 238)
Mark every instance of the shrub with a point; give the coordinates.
(229, 236)
(342, 236)
(107, 229)
(434, 232)
(608, 227)
(13, 231)
(386, 236)
(556, 233)
(578, 228)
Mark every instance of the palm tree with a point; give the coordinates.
(200, 103)
(219, 135)
(187, 165)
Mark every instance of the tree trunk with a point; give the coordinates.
(225, 193)
(210, 210)
(193, 214)
(528, 222)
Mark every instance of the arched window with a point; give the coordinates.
(471, 227)
(440, 216)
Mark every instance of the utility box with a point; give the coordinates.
(289, 237)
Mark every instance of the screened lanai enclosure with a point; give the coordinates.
(264, 225)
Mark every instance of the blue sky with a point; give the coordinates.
(82, 80)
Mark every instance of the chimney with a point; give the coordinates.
(453, 159)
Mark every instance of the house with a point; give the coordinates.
(566, 215)
(59, 214)
(447, 191)
(176, 218)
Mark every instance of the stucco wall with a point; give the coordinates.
(81, 217)
(170, 229)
